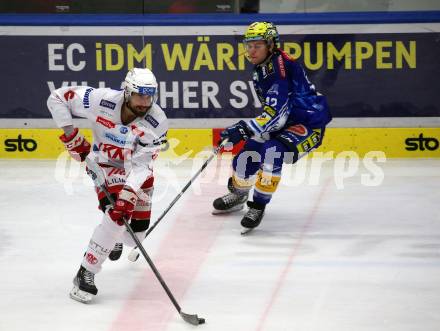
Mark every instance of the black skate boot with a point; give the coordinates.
(253, 216)
(230, 202)
(84, 288)
(116, 253)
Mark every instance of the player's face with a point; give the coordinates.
(140, 103)
(257, 51)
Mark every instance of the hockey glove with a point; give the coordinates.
(236, 133)
(124, 206)
(76, 145)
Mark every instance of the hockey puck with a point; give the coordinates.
(133, 256)
(201, 321)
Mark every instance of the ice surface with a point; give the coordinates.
(326, 257)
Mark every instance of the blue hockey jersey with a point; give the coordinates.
(288, 97)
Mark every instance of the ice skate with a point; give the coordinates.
(253, 217)
(84, 288)
(116, 253)
(230, 202)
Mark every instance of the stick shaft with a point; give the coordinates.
(194, 177)
(95, 168)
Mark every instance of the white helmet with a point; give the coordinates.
(142, 81)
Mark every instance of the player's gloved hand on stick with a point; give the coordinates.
(236, 133)
(124, 206)
(77, 146)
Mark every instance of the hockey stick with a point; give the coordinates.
(95, 173)
(134, 254)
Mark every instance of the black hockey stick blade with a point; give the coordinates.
(192, 319)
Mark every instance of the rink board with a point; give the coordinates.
(394, 142)
(365, 70)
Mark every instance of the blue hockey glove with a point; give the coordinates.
(236, 133)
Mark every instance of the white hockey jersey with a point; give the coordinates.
(131, 147)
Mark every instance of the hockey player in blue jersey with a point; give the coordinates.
(292, 122)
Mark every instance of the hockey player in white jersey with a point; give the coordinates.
(129, 129)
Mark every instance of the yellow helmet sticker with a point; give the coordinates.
(266, 31)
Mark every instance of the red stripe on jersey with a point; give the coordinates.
(136, 131)
(116, 171)
(281, 67)
(286, 56)
(148, 183)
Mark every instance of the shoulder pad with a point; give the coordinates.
(109, 98)
(156, 120)
(157, 113)
(86, 97)
(93, 96)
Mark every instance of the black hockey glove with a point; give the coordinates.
(236, 133)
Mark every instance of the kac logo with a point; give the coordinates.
(20, 144)
(421, 143)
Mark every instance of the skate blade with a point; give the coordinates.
(133, 256)
(246, 231)
(219, 212)
(80, 296)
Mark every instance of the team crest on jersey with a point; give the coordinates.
(150, 119)
(114, 152)
(107, 104)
